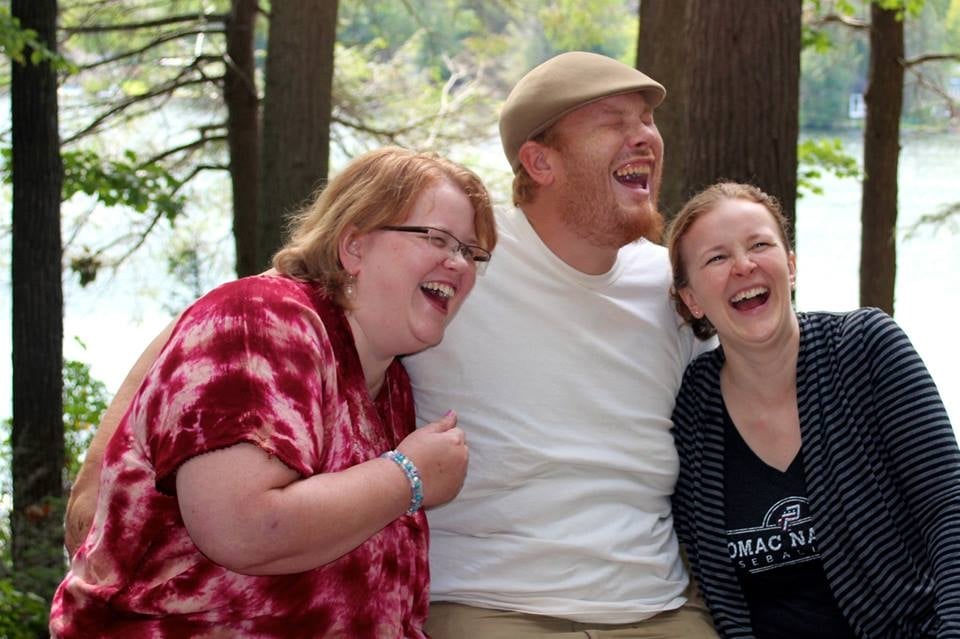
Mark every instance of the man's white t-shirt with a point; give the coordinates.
(564, 384)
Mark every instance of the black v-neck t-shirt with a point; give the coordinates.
(773, 546)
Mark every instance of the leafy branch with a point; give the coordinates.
(24, 46)
(817, 156)
(126, 182)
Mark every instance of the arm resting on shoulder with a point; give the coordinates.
(83, 496)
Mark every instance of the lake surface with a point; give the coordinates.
(928, 263)
(116, 316)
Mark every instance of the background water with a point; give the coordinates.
(927, 302)
(108, 323)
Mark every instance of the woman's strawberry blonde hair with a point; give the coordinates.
(376, 189)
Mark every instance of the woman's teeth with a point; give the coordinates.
(747, 294)
(440, 290)
(750, 299)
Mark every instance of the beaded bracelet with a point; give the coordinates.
(413, 476)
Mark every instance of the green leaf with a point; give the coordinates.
(126, 182)
(85, 398)
(134, 87)
(22, 45)
(818, 155)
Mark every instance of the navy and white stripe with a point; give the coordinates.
(882, 469)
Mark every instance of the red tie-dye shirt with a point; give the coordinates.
(270, 361)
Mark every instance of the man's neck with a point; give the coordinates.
(575, 251)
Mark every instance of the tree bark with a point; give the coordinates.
(297, 112)
(37, 435)
(243, 132)
(737, 68)
(881, 159)
(666, 60)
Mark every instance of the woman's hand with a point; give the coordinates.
(439, 452)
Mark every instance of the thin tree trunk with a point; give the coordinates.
(243, 132)
(37, 465)
(297, 107)
(881, 159)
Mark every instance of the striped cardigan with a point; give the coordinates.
(882, 470)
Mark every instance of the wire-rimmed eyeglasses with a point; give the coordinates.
(476, 256)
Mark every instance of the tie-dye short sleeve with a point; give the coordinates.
(246, 363)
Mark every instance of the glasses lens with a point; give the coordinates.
(441, 240)
(480, 258)
(473, 255)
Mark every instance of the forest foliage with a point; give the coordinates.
(420, 73)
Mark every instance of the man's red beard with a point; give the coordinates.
(591, 210)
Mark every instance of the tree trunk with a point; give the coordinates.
(296, 117)
(37, 437)
(243, 132)
(736, 71)
(881, 159)
(666, 60)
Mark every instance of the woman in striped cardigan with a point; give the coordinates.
(819, 484)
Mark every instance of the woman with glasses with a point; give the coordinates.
(267, 479)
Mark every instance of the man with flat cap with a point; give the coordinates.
(563, 369)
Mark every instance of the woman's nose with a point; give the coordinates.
(458, 261)
(743, 264)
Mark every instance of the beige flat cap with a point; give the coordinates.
(560, 85)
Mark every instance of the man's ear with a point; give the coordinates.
(350, 251)
(536, 159)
